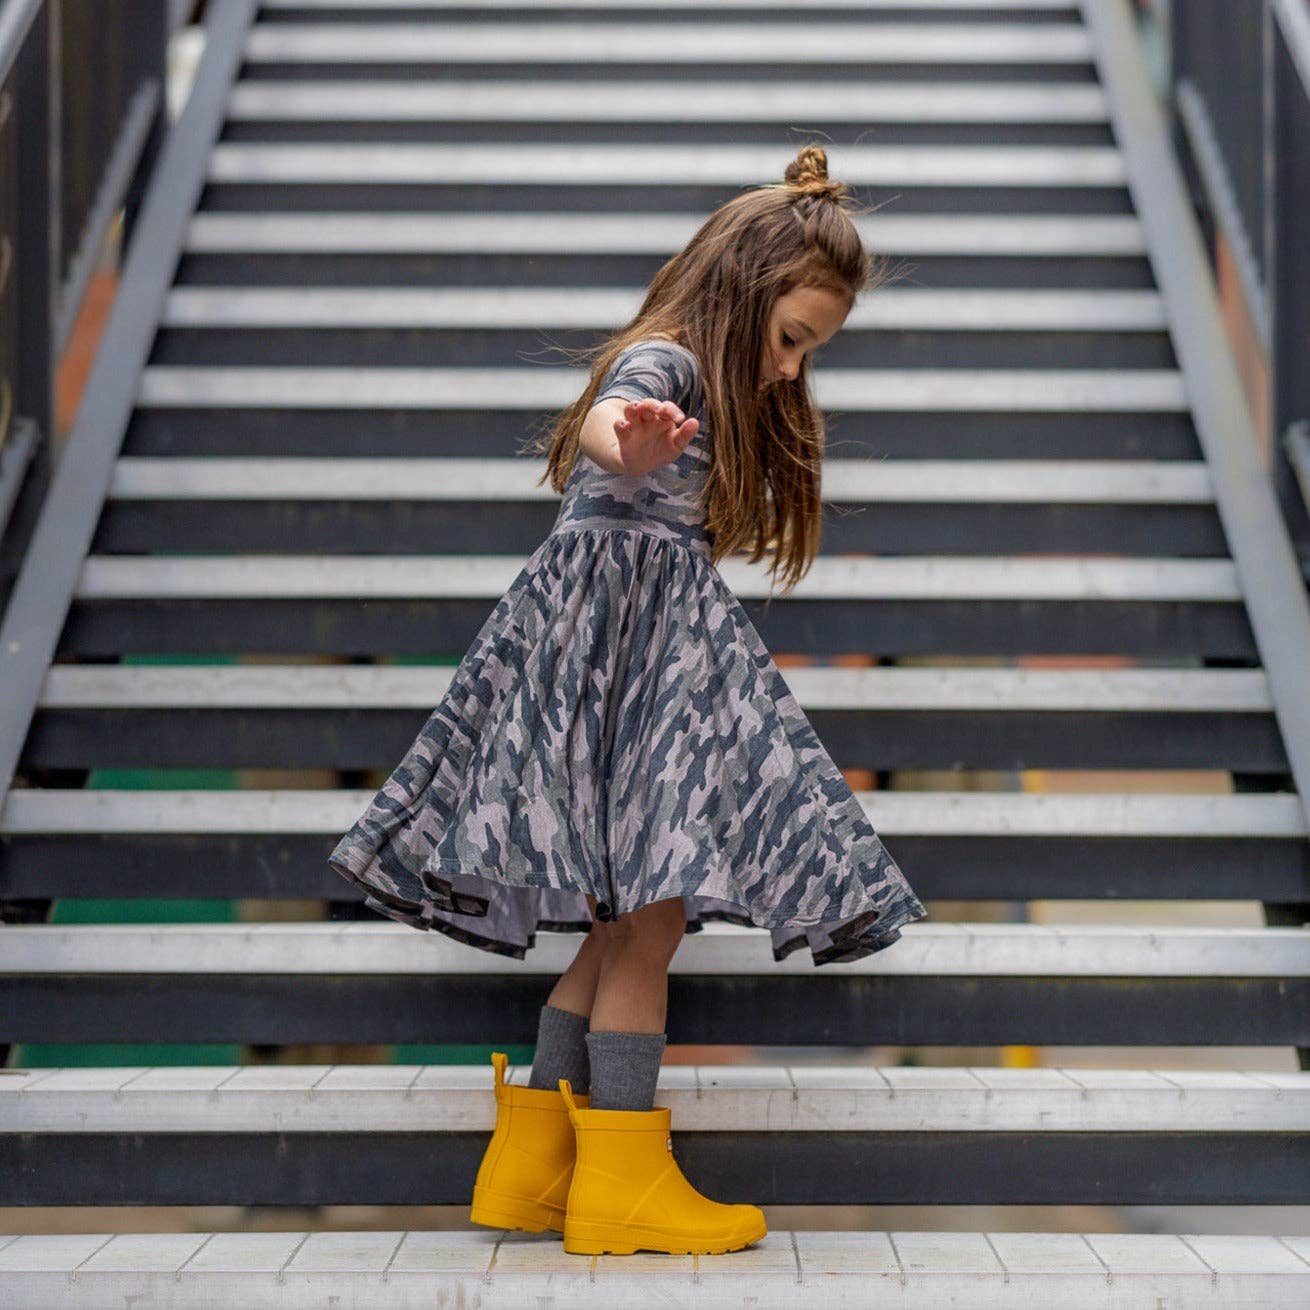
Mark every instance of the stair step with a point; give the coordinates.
(536, 100)
(1002, 247)
(1015, 1136)
(544, 7)
(996, 950)
(899, 814)
(769, 1099)
(503, 308)
(380, 981)
(168, 505)
(644, 164)
(314, 716)
(609, 41)
(434, 605)
(486, 577)
(851, 390)
(504, 1271)
(585, 234)
(867, 391)
(854, 691)
(844, 481)
(964, 846)
(404, 326)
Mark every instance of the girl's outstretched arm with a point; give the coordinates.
(633, 437)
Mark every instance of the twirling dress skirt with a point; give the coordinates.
(618, 728)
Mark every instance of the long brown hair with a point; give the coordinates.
(715, 298)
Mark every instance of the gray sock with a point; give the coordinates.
(625, 1068)
(561, 1051)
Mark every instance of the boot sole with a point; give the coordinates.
(496, 1210)
(591, 1237)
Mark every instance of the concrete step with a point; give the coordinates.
(507, 101)
(495, 1270)
(962, 845)
(973, 950)
(971, 815)
(845, 481)
(604, 310)
(768, 1099)
(851, 390)
(435, 604)
(398, 327)
(647, 232)
(232, 505)
(853, 691)
(580, 247)
(646, 165)
(369, 8)
(367, 981)
(297, 715)
(485, 577)
(609, 40)
(781, 1135)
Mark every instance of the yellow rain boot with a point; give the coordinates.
(629, 1194)
(523, 1180)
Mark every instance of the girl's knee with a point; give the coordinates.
(656, 928)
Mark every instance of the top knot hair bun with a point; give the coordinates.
(807, 174)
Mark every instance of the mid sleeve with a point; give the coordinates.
(658, 370)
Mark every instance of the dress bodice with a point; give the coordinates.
(665, 501)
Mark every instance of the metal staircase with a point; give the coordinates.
(298, 447)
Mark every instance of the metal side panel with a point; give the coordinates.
(1263, 556)
(44, 587)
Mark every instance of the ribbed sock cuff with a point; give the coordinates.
(625, 1068)
(561, 1051)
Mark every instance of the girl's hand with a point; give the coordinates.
(651, 433)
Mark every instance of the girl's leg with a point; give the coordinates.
(619, 981)
(561, 1046)
(632, 983)
(576, 988)
(626, 1040)
(632, 955)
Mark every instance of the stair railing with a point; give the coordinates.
(83, 112)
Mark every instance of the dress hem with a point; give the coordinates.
(443, 899)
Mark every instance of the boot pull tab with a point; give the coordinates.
(566, 1091)
(499, 1061)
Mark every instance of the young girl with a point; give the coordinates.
(618, 753)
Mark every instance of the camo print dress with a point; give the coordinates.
(618, 728)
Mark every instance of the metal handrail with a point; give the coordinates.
(1240, 90)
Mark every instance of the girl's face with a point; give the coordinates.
(802, 319)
